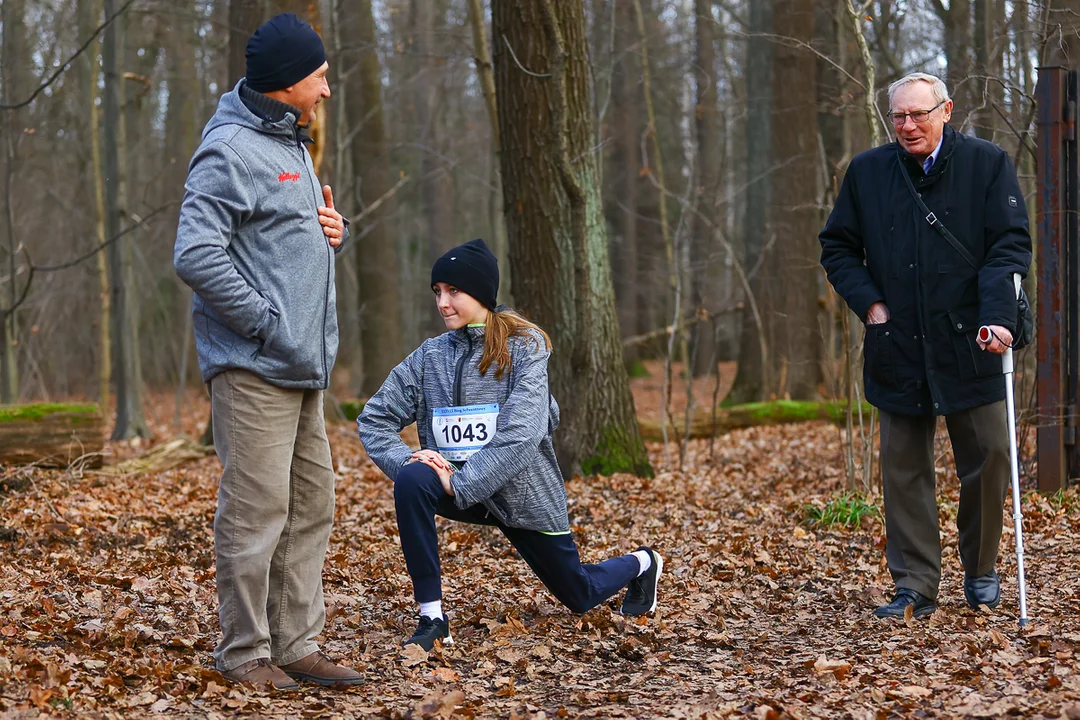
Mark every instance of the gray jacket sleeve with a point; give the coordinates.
(389, 411)
(523, 423)
(220, 196)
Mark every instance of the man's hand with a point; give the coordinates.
(877, 314)
(331, 220)
(1000, 340)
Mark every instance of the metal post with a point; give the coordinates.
(1056, 135)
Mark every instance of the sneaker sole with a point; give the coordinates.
(656, 595)
(448, 640)
(659, 571)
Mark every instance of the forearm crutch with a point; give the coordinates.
(985, 336)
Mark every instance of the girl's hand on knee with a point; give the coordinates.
(444, 473)
(430, 457)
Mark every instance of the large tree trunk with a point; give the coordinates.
(89, 68)
(376, 258)
(558, 244)
(990, 37)
(245, 16)
(794, 275)
(706, 254)
(752, 377)
(486, 76)
(624, 177)
(426, 24)
(181, 139)
(958, 42)
(14, 87)
(129, 415)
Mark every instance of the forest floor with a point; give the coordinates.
(107, 605)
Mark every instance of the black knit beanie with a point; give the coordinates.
(282, 52)
(472, 268)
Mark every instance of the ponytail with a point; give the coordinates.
(501, 326)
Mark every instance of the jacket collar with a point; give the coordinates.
(914, 166)
(272, 111)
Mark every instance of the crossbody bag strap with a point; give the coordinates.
(933, 221)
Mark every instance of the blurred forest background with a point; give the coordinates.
(720, 131)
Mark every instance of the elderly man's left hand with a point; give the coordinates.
(331, 220)
(1000, 340)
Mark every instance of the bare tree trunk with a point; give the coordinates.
(752, 378)
(245, 16)
(89, 14)
(706, 256)
(130, 421)
(558, 248)
(989, 36)
(14, 62)
(486, 75)
(958, 42)
(427, 81)
(181, 139)
(794, 270)
(377, 258)
(625, 176)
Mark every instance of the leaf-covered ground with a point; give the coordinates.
(107, 605)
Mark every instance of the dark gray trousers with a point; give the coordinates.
(980, 440)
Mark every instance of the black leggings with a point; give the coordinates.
(419, 497)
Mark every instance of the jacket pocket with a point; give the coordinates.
(971, 360)
(879, 354)
(267, 342)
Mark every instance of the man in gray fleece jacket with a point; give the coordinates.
(256, 243)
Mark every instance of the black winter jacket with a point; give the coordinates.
(876, 246)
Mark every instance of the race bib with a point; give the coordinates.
(461, 431)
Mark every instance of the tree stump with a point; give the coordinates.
(51, 434)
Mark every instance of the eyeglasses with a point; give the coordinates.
(917, 116)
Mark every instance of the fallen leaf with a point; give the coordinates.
(446, 674)
(413, 655)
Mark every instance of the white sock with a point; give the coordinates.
(645, 559)
(432, 609)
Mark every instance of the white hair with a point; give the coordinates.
(941, 93)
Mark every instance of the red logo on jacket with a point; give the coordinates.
(288, 176)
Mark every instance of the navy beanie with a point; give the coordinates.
(472, 268)
(282, 52)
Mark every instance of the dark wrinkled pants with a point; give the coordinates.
(980, 440)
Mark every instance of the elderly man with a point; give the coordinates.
(256, 244)
(923, 303)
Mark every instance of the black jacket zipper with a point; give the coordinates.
(458, 400)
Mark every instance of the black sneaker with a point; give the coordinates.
(428, 631)
(921, 605)
(641, 592)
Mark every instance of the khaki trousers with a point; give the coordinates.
(275, 509)
(980, 440)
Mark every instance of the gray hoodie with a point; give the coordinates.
(516, 475)
(251, 247)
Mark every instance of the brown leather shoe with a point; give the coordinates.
(261, 673)
(321, 670)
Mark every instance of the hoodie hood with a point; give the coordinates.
(273, 118)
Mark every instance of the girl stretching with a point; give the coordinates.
(479, 397)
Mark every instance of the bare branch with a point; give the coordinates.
(63, 68)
